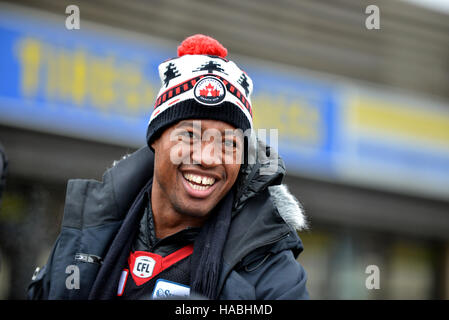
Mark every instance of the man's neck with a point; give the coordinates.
(167, 220)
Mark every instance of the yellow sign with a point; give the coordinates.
(296, 120)
(81, 78)
(399, 120)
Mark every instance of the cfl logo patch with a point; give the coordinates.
(144, 266)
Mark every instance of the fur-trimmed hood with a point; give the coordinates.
(288, 207)
(267, 172)
(266, 216)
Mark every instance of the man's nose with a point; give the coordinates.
(207, 153)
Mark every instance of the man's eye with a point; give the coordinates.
(188, 134)
(230, 144)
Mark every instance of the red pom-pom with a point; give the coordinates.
(201, 44)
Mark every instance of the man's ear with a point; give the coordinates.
(154, 143)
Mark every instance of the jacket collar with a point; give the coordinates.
(267, 171)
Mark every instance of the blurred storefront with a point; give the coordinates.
(369, 162)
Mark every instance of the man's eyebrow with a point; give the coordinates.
(231, 136)
(185, 123)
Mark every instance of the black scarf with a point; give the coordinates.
(206, 260)
(206, 257)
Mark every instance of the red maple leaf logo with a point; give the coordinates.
(209, 89)
(215, 93)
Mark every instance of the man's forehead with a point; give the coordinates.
(204, 124)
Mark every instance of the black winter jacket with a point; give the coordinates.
(259, 258)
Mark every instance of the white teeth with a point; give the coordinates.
(197, 179)
(206, 181)
(197, 187)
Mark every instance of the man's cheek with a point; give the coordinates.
(180, 153)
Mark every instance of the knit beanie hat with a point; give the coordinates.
(201, 84)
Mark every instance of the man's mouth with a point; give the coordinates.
(198, 182)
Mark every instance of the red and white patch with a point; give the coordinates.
(209, 91)
(146, 265)
(143, 265)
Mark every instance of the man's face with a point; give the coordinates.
(196, 163)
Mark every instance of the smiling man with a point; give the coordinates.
(200, 212)
(185, 190)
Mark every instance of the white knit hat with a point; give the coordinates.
(201, 84)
